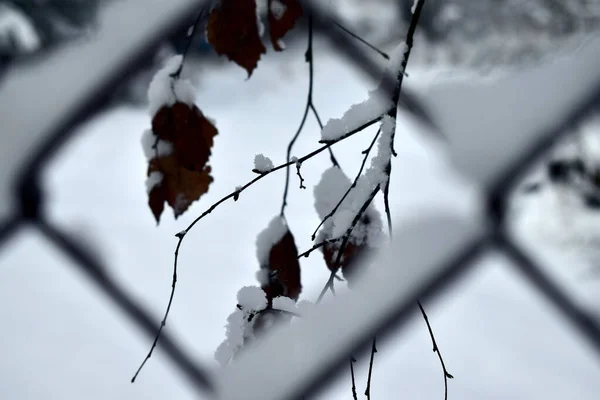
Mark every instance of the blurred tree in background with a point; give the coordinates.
(479, 35)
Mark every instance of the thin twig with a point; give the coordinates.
(362, 166)
(373, 351)
(233, 195)
(436, 349)
(363, 41)
(345, 239)
(392, 113)
(298, 166)
(334, 161)
(354, 395)
(188, 43)
(317, 246)
(163, 322)
(308, 56)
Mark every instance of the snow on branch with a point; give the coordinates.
(252, 317)
(377, 104)
(167, 89)
(240, 323)
(262, 164)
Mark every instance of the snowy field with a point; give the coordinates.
(63, 340)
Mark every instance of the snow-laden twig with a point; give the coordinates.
(337, 206)
(233, 195)
(190, 39)
(345, 239)
(262, 164)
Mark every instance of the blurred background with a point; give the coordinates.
(500, 339)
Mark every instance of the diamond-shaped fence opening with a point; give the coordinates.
(495, 149)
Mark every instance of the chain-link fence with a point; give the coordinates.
(450, 254)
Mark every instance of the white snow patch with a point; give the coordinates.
(376, 174)
(330, 189)
(259, 23)
(18, 28)
(252, 298)
(153, 148)
(276, 229)
(262, 276)
(278, 9)
(304, 306)
(153, 180)
(414, 6)
(164, 90)
(285, 304)
(262, 164)
(328, 192)
(238, 329)
(377, 104)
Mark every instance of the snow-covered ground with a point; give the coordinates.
(61, 339)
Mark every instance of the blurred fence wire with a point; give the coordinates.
(30, 199)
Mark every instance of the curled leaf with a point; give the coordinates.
(282, 15)
(278, 256)
(232, 30)
(179, 186)
(180, 175)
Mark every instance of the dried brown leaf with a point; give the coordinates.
(185, 175)
(285, 270)
(282, 15)
(232, 30)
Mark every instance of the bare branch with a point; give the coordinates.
(354, 395)
(436, 349)
(373, 351)
(308, 56)
(363, 41)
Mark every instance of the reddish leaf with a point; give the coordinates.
(185, 175)
(232, 30)
(179, 186)
(191, 134)
(284, 270)
(282, 15)
(354, 251)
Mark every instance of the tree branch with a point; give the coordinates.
(354, 395)
(345, 239)
(363, 41)
(373, 351)
(308, 56)
(233, 195)
(188, 43)
(436, 349)
(362, 166)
